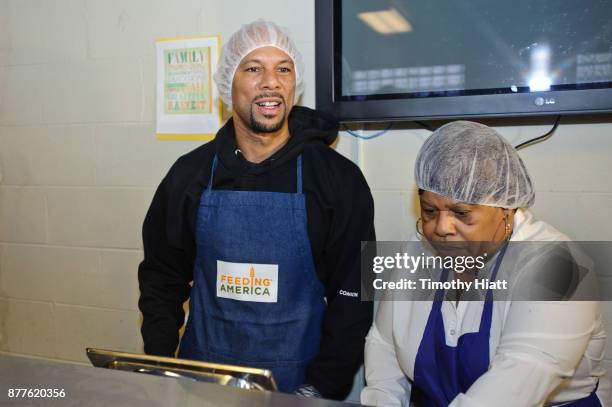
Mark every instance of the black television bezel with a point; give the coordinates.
(546, 103)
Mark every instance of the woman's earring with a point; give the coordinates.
(419, 232)
(508, 228)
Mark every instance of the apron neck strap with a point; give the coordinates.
(298, 173)
(502, 252)
(212, 173)
(489, 296)
(485, 320)
(440, 292)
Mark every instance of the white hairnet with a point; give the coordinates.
(472, 163)
(251, 36)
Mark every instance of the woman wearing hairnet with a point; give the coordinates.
(473, 187)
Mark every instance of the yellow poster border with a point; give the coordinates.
(190, 136)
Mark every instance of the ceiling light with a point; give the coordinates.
(386, 21)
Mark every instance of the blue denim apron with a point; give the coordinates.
(267, 228)
(441, 372)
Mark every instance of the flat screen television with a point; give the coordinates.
(385, 60)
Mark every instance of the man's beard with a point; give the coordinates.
(261, 127)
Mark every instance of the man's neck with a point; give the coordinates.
(257, 147)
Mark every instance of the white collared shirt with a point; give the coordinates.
(541, 352)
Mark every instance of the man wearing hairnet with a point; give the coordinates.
(266, 220)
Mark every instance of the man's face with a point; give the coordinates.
(263, 90)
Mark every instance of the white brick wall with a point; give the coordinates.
(21, 90)
(79, 161)
(4, 32)
(126, 156)
(47, 155)
(23, 215)
(93, 91)
(34, 25)
(119, 28)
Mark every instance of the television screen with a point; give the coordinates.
(400, 59)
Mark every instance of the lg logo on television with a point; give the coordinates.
(540, 101)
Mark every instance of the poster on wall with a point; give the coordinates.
(188, 103)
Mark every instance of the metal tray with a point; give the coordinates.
(227, 375)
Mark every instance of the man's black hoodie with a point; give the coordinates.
(340, 214)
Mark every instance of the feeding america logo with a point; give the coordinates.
(247, 282)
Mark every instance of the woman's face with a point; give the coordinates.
(446, 220)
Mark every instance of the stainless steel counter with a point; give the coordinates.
(89, 386)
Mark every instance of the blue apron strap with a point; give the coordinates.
(487, 313)
(489, 296)
(502, 253)
(440, 292)
(212, 172)
(589, 401)
(299, 174)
